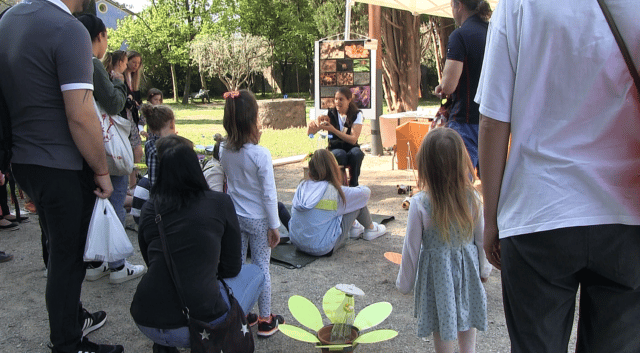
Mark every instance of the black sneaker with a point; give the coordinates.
(91, 322)
(87, 346)
(252, 319)
(268, 328)
(164, 349)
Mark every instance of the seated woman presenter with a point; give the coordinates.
(324, 211)
(343, 125)
(203, 238)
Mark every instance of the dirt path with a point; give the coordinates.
(24, 326)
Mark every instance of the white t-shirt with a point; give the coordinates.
(343, 118)
(554, 71)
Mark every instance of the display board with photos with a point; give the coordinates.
(342, 63)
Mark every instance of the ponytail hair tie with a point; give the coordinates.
(231, 94)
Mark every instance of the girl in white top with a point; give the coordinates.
(252, 188)
(443, 246)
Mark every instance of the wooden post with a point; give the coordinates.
(375, 33)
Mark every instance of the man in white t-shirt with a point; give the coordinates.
(563, 210)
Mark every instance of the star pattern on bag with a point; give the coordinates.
(205, 335)
(244, 329)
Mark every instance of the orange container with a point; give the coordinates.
(408, 139)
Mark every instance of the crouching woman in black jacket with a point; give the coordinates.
(203, 238)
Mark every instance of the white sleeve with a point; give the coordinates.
(411, 247)
(359, 118)
(478, 239)
(497, 80)
(356, 198)
(268, 182)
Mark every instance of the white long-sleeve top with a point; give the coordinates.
(420, 219)
(250, 182)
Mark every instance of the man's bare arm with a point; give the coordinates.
(87, 134)
(493, 145)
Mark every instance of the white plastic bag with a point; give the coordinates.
(106, 239)
(115, 131)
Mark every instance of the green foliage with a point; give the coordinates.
(230, 58)
(329, 17)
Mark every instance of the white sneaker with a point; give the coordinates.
(356, 230)
(128, 272)
(94, 274)
(378, 230)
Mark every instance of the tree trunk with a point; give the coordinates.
(203, 80)
(187, 86)
(441, 29)
(283, 69)
(401, 59)
(174, 81)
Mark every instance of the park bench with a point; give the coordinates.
(202, 94)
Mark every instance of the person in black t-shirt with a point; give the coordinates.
(461, 73)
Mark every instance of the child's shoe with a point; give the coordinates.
(376, 231)
(252, 319)
(356, 230)
(267, 328)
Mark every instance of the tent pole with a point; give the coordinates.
(375, 33)
(347, 21)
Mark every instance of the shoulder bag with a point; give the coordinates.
(230, 336)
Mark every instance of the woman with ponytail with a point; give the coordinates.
(461, 74)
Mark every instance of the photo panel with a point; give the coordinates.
(332, 50)
(361, 65)
(345, 78)
(327, 66)
(327, 103)
(356, 50)
(328, 79)
(328, 92)
(362, 96)
(362, 78)
(343, 65)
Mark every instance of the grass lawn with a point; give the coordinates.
(199, 123)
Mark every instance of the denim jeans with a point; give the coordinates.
(120, 183)
(469, 134)
(246, 287)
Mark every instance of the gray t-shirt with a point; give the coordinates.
(44, 50)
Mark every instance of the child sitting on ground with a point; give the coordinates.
(161, 122)
(443, 246)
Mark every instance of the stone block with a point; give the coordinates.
(282, 113)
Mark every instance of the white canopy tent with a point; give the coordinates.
(429, 7)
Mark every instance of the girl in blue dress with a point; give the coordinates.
(443, 246)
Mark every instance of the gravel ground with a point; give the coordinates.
(24, 325)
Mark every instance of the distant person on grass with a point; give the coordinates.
(324, 211)
(58, 153)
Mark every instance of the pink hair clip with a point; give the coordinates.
(231, 94)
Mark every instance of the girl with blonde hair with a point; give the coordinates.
(443, 246)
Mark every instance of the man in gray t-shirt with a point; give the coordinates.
(58, 152)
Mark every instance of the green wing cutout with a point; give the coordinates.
(372, 315)
(305, 312)
(331, 301)
(298, 334)
(376, 336)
